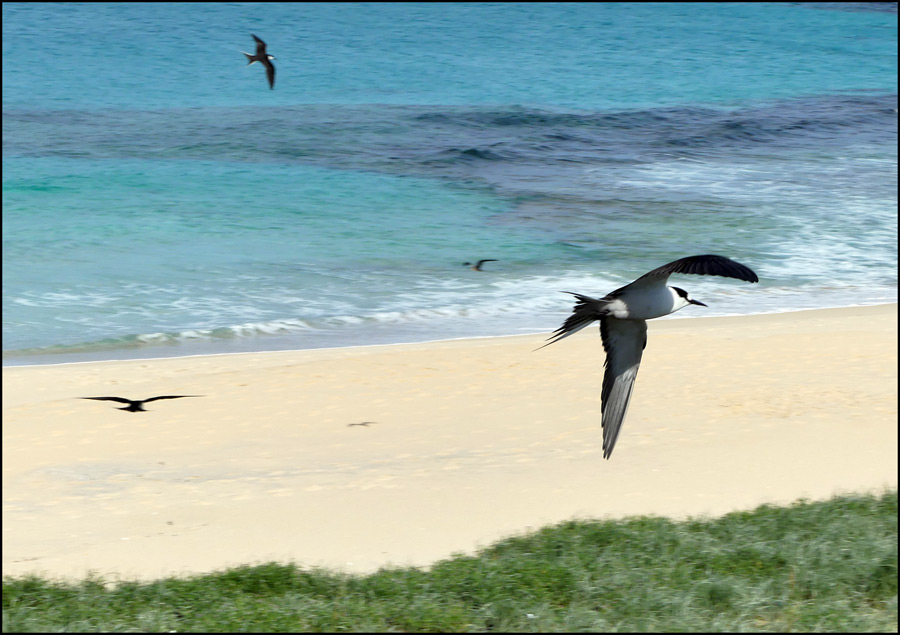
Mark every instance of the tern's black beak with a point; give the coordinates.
(697, 303)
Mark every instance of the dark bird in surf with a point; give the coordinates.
(263, 58)
(137, 405)
(364, 424)
(477, 265)
(623, 316)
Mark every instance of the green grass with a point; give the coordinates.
(824, 566)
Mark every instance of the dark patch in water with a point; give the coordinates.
(452, 142)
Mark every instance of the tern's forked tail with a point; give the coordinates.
(586, 310)
(250, 59)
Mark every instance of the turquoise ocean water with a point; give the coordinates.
(159, 199)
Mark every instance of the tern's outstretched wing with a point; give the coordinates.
(119, 399)
(168, 397)
(707, 265)
(624, 342)
(260, 46)
(270, 72)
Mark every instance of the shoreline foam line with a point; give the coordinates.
(675, 316)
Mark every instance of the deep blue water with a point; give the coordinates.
(159, 199)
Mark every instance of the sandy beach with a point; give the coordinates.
(469, 441)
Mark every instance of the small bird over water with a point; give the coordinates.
(477, 265)
(137, 405)
(623, 316)
(263, 58)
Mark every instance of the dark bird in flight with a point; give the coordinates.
(477, 265)
(364, 424)
(263, 58)
(623, 316)
(137, 405)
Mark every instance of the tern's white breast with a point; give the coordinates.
(648, 302)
